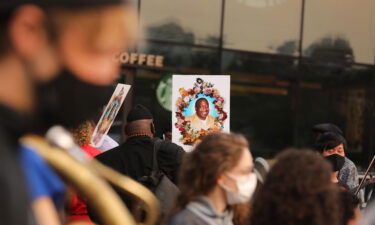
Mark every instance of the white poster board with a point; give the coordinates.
(109, 114)
(200, 105)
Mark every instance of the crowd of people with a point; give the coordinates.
(56, 67)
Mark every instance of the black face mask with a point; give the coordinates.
(68, 101)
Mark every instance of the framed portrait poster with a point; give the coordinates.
(200, 105)
(109, 114)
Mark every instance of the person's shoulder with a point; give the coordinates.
(184, 217)
(349, 162)
(109, 154)
(167, 145)
(211, 118)
(191, 117)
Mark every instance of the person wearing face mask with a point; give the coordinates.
(337, 162)
(55, 65)
(214, 177)
(330, 143)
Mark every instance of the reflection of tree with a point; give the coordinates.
(212, 40)
(172, 32)
(181, 56)
(287, 48)
(331, 48)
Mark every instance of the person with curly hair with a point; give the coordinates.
(297, 191)
(217, 175)
(77, 209)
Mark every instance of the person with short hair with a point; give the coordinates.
(298, 190)
(214, 177)
(134, 157)
(333, 143)
(201, 119)
(322, 128)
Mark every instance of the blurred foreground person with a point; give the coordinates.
(298, 190)
(349, 204)
(56, 64)
(217, 175)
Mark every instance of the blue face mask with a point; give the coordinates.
(68, 101)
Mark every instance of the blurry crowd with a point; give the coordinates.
(57, 68)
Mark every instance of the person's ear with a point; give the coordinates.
(153, 128)
(220, 179)
(26, 31)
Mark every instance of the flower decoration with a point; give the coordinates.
(192, 136)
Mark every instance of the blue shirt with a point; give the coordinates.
(42, 181)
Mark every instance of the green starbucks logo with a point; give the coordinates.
(164, 92)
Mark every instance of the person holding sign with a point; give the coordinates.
(201, 119)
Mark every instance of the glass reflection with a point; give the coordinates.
(193, 21)
(263, 26)
(344, 33)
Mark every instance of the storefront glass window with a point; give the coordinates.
(192, 21)
(263, 26)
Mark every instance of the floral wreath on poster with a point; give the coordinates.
(191, 136)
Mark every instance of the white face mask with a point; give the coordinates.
(246, 186)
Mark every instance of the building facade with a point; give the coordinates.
(293, 64)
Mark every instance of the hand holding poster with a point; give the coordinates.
(109, 114)
(201, 105)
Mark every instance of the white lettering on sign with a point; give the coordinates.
(140, 59)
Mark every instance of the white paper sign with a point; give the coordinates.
(200, 105)
(109, 114)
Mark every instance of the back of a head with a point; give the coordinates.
(329, 140)
(82, 133)
(298, 190)
(139, 112)
(217, 153)
(139, 120)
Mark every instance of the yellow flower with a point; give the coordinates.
(183, 92)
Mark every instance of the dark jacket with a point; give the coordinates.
(14, 204)
(134, 159)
